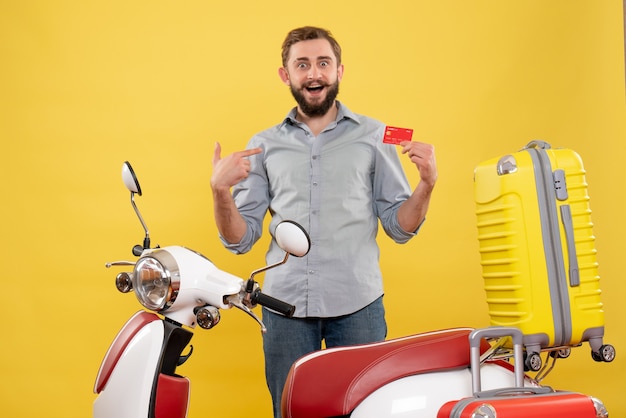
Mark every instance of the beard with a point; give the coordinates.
(316, 109)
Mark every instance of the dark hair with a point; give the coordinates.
(307, 33)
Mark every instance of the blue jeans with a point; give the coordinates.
(288, 339)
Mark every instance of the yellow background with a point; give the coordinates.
(85, 85)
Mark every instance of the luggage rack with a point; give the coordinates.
(501, 349)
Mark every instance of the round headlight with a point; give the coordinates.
(152, 283)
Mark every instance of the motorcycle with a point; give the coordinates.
(422, 375)
(179, 289)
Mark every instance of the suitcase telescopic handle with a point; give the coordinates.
(475, 338)
(538, 143)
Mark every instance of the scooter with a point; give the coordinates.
(433, 374)
(180, 289)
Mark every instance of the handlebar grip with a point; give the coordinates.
(273, 304)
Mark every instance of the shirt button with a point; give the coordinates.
(314, 183)
(311, 271)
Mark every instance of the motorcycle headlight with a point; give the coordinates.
(155, 281)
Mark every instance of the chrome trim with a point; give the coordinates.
(171, 273)
(484, 411)
(168, 262)
(601, 411)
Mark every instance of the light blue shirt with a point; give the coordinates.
(337, 186)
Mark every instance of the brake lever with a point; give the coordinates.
(234, 301)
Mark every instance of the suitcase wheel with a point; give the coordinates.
(606, 353)
(561, 353)
(532, 362)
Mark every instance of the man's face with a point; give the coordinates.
(313, 75)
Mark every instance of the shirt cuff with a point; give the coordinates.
(402, 236)
(240, 247)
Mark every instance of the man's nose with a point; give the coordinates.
(314, 73)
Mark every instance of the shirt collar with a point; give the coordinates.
(342, 113)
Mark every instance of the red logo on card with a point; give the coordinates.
(394, 135)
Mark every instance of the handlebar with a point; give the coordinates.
(272, 303)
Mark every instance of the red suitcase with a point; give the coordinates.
(517, 401)
(547, 405)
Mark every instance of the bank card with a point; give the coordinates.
(395, 135)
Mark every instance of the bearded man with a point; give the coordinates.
(329, 170)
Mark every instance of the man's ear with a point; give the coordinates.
(284, 75)
(340, 72)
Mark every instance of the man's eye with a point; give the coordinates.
(324, 64)
(302, 65)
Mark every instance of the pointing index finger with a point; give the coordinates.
(249, 152)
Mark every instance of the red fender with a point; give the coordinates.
(123, 338)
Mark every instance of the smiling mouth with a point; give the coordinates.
(314, 88)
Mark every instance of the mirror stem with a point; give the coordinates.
(271, 266)
(146, 241)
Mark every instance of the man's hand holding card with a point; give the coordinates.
(421, 154)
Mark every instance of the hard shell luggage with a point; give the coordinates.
(538, 251)
(517, 401)
(547, 405)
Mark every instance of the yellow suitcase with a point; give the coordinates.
(538, 251)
